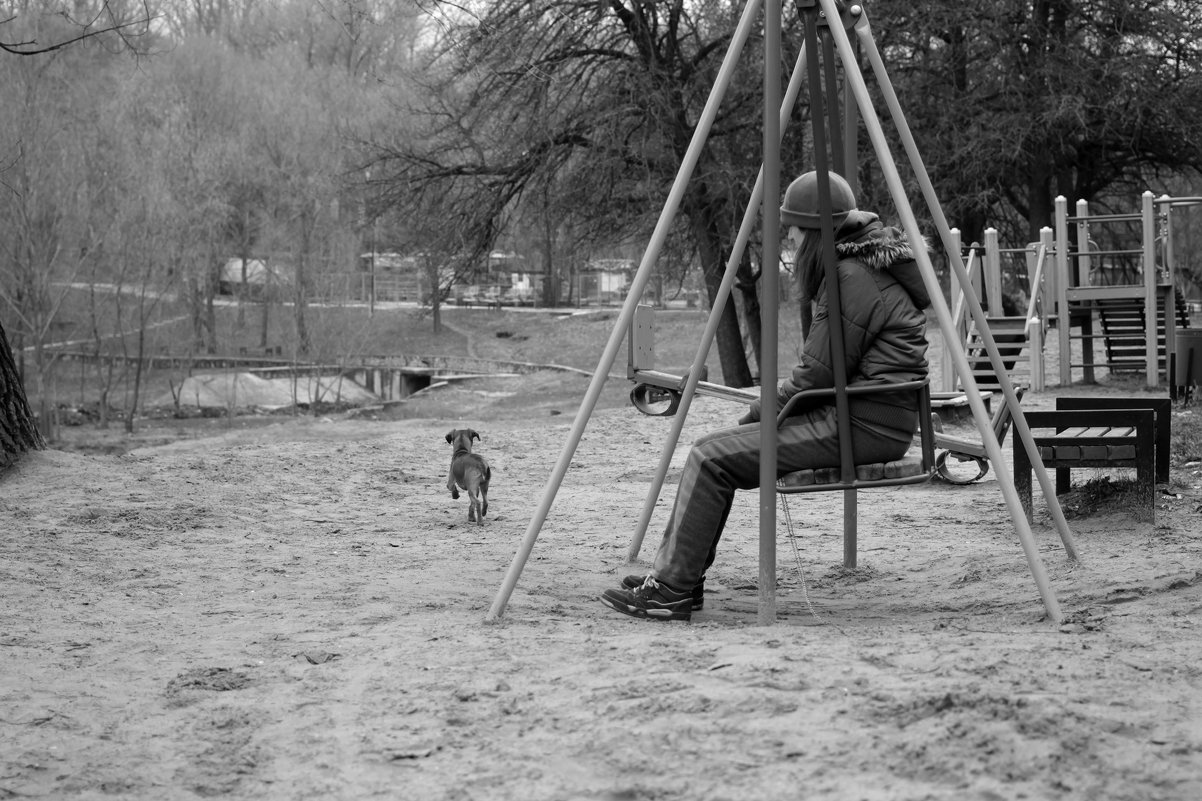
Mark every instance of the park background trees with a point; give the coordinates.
(1015, 103)
(585, 109)
(131, 169)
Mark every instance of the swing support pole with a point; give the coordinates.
(638, 284)
(970, 300)
(943, 314)
(766, 192)
(758, 196)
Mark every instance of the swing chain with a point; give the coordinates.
(792, 535)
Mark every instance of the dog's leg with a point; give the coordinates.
(471, 486)
(473, 479)
(451, 483)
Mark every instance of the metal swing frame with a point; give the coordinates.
(765, 193)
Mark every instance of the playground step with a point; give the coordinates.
(1010, 335)
(1123, 326)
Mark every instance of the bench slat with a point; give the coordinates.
(1114, 453)
(1100, 432)
(1079, 453)
(1048, 452)
(1072, 432)
(1108, 433)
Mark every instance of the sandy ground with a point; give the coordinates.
(297, 609)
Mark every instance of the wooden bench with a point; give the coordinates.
(1099, 432)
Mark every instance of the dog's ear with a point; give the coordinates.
(450, 436)
(473, 433)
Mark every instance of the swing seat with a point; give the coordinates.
(907, 470)
(964, 450)
(817, 478)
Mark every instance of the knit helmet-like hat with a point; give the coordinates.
(801, 201)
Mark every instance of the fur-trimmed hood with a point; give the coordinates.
(881, 295)
(863, 237)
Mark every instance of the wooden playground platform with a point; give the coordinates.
(1103, 284)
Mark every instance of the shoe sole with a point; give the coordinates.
(644, 614)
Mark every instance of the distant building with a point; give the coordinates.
(253, 277)
(605, 281)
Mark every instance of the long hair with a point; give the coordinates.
(808, 270)
(807, 263)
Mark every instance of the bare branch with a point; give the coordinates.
(89, 29)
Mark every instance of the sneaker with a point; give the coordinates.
(650, 600)
(630, 582)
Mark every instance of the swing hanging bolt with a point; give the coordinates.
(846, 13)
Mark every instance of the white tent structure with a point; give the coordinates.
(247, 390)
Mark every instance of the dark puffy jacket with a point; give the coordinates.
(883, 323)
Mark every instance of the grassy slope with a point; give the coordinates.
(342, 332)
(575, 340)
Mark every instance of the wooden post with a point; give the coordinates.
(1151, 326)
(992, 275)
(947, 373)
(1084, 268)
(1063, 282)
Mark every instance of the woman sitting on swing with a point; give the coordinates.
(883, 299)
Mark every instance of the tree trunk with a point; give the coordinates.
(712, 248)
(132, 411)
(735, 371)
(265, 324)
(210, 324)
(304, 343)
(436, 296)
(18, 429)
(547, 251)
(747, 283)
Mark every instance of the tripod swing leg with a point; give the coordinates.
(910, 225)
(638, 284)
(707, 338)
(970, 300)
(818, 114)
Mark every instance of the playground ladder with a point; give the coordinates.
(1085, 287)
(1019, 337)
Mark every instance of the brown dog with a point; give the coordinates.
(469, 471)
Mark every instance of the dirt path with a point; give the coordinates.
(468, 338)
(296, 610)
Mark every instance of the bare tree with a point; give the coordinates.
(1011, 107)
(585, 109)
(126, 23)
(48, 208)
(18, 430)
